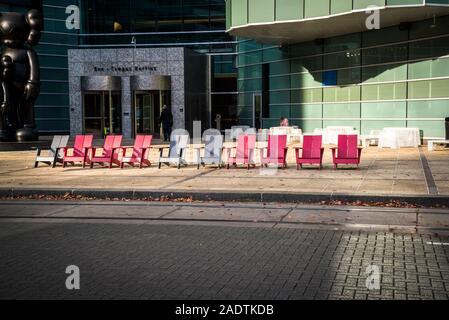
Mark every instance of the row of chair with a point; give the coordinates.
(112, 152)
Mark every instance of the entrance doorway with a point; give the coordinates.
(257, 110)
(102, 113)
(147, 111)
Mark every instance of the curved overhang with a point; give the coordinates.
(296, 31)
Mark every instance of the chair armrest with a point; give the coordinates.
(93, 151)
(161, 150)
(65, 150)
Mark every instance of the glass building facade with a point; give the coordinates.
(195, 24)
(397, 76)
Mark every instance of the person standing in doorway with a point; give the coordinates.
(283, 122)
(167, 122)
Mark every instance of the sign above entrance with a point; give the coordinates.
(125, 69)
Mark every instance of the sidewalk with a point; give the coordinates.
(270, 215)
(383, 174)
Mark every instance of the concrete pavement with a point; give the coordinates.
(385, 172)
(270, 215)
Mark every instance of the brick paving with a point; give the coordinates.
(150, 260)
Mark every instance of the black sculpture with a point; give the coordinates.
(19, 74)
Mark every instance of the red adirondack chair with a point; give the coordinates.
(79, 150)
(244, 151)
(312, 151)
(110, 153)
(140, 152)
(348, 151)
(276, 151)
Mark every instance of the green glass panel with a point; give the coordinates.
(363, 4)
(385, 54)
(239, 12)
(403, 2)
(383, 73)
(431, 48)
(306, 95)
(384, 35)
(429, 89)
(341, 94)
(289, 9)
(341, 43)
(282, 67)
(245, 112)
(307, 126)
(342, 60)
(306, 80)
(341, 110)
(273, 54)
(228, 14)
(245, 99)
(305, 49)
(280, 111)
(428, 109)
(389, 91)
(307, 64)
(261, 11)
(280, 82)
(434, 129)
(254, 71)
(341, 6)
(279, 97)
(384, 110)
(306, 111)
(316, 8)
(348, 76)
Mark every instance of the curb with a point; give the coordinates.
(421, 200)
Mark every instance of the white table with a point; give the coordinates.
(399, 138)
(331, 133)
(292, 133)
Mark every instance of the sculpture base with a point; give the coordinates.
(26, 134)
(6, 135)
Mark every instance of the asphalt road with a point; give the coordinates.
(165, 251)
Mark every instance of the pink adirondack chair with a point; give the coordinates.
(348, 151)
(110, 153)
(243, 152)
(312, 151)
(276, 151)
(140, 152)
(79, 150)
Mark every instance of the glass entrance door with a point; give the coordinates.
(147, 111)
(102, 113)
(257, 110)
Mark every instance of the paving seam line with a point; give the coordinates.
(430, 182)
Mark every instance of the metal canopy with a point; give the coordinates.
(296, 31)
